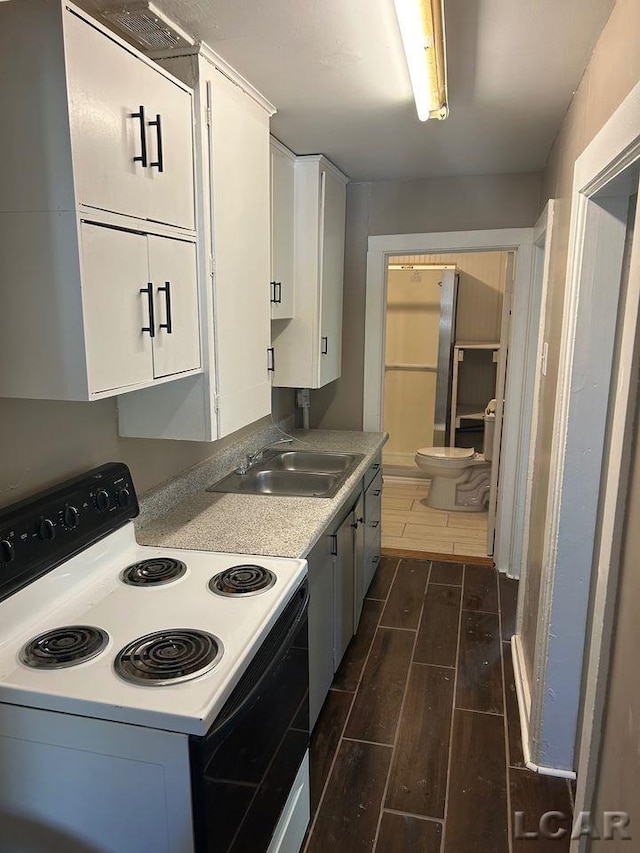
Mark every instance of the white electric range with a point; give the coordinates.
(151, 699)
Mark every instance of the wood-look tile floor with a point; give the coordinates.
(408, 524)
(417, 747)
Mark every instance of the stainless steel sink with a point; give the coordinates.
(307, 460)
(293, 473)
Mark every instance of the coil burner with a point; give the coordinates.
(242, 581)
(153, 572)
(168, 657)
(64, 647)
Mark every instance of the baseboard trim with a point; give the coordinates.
(440, 558)
(523, 693)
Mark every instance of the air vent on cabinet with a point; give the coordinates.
(148, 26)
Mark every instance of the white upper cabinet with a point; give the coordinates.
(140, 306)
(99, 126)
(131, 130)
(282, 220)
(308, 348)
(98, 257)
(233, 175)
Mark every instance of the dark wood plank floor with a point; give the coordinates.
(418, 745)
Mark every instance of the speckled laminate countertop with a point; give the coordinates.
(181, 514)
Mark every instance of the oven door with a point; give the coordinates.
(242, 771)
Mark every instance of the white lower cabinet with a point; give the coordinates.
(372, 526)
(140, 307)
(341, 567)
(232, 167)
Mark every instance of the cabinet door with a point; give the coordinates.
(358, 561)
(344, 593)
(282, 200)
(116, 312)
(332, 224)
(321, 617)
(239, 153)
(172, 271)
(169, 127)
(104, 94)
(125, 160)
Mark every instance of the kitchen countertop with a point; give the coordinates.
(181, 514)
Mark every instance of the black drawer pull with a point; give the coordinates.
(159, 163)
(151, 328)
(375, 466)
(325, 344)
(377, 493)
(271, 360)
(167, 299)
(142, 157)
(375, 523)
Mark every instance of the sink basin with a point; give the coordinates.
(292, 473)
(308, 460)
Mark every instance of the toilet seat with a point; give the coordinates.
(446, 452)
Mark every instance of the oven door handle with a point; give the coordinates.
(245, 698)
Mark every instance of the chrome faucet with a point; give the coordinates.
(252, 459)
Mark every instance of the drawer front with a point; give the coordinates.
(372, 471)
(373, 504)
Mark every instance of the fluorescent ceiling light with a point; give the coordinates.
(422, 30)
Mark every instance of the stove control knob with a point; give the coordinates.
(102, 500)
(47, 530)
(71, 517)
(123, 497)
(7, 551)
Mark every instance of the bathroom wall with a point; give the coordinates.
(457, 203)
(612, 72)
(412, 332)
(43, 442)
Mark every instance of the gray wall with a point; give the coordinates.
(409, 207)
(612, 72)
(619, 771)
(43, 442)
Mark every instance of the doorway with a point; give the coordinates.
(443, 325)
(518, 244)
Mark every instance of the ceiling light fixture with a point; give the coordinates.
(422, 30)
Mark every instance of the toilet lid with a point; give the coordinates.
(447, 452)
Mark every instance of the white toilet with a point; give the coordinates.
(459, 478)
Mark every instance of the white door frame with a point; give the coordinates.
(508, 547)
(580, 501)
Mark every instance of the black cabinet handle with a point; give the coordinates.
(377, 492)
(167, 299)
(334, 544)
(375, 523)
(159, 163)
(276, 292)
(375, 466)
(271, 360)
(325, 344)
(142, 157)
(151, 328)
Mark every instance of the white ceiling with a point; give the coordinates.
(336, 72)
